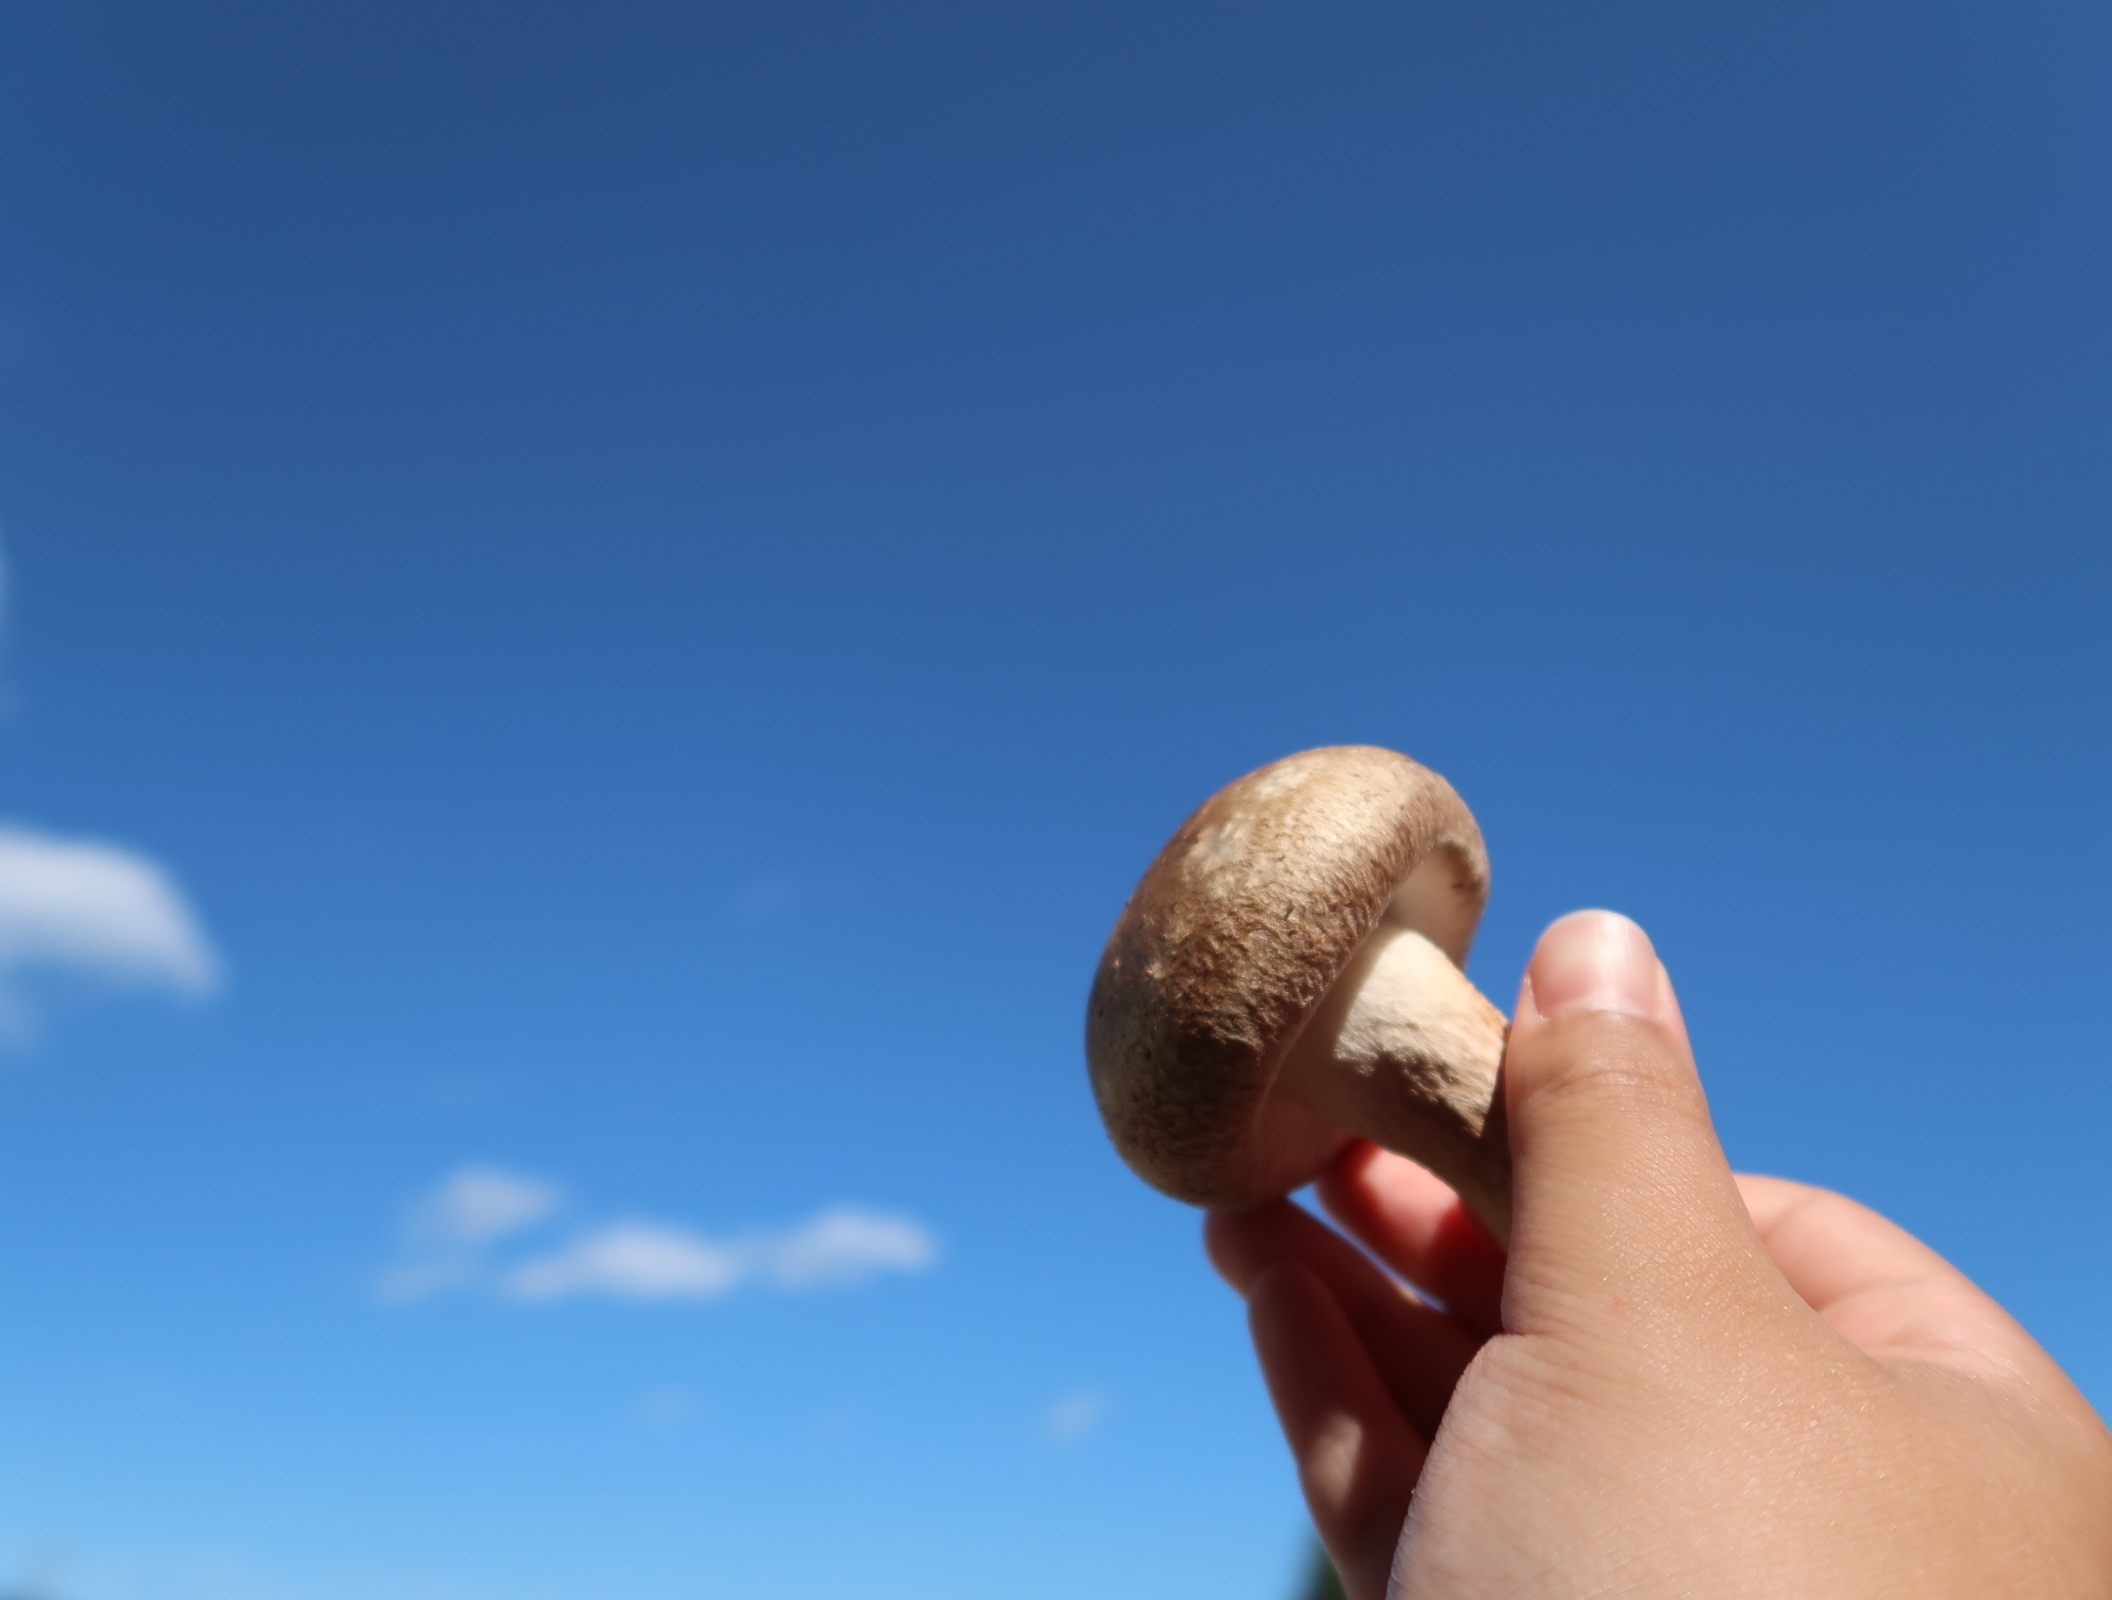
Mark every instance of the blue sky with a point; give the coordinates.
(604, 602)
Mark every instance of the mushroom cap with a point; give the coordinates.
(1237, 931)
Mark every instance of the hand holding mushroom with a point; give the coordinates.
(1678, 1382)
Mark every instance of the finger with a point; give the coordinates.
(1829, 1247)
(1879, 1287)
(1626, 1211)
(1416, 1223)
(1417, 1351)
(1357, 1458)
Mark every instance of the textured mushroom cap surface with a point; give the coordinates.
(1237, 931)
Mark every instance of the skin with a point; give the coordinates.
(1683, 1383)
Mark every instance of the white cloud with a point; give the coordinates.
(453, 1233)
(838, 1249)
(481, 1204)
(846, 1247)
(448, 1233)
(85, 909)
(1070, 1417)
(630, 1261)
(88, 911)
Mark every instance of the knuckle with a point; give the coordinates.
(1607, 1062)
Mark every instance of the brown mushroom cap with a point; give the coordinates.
(1236, 932)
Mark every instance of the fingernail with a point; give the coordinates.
(1596, 961)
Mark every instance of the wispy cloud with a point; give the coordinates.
(1070, 1417)
(78, 911)
(448, 1232)
(451, 1238)
(629, 1261)
(843, 1248)
(478, 1205)
(85, 909)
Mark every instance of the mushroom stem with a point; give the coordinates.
(1404, 1051)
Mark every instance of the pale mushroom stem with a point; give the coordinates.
(1404, 1051)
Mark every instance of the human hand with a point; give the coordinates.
(1682, 1384)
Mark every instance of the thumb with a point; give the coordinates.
(1624, 1205)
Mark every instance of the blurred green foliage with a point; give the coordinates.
(1321, 1581)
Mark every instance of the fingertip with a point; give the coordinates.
(1234, 1243)
(1594, 976)
(1596, 961)
(1365, 1178)
(1284, 1291)
(1358, 1181)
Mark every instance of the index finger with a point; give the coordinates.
(1877, 1285)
